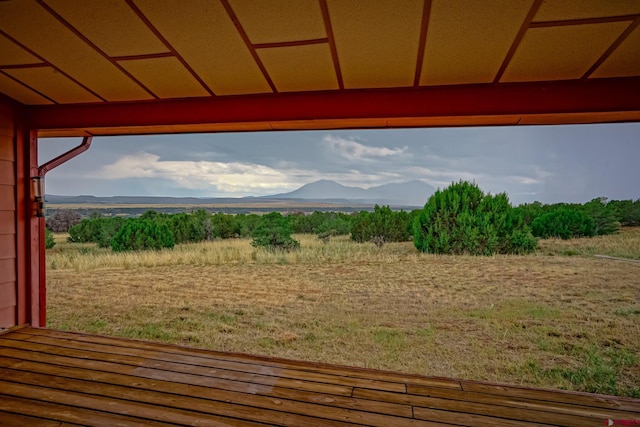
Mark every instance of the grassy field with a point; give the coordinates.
(559, 318)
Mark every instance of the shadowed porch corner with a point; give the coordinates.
(50, 377)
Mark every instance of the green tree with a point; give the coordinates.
(530, 211)
(203, 220)
(142, 234)
(461, 219)
(564, 223)
(247, 223)
(49, 240)
(95, 229)
(383, 225)
(627, 211)
(273, 233)
(605, 216)
(334, 225)
(187, 228)
(225, 226)
(307, 224)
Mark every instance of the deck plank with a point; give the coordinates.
(414, 398)
(218, 374)
(470, 419)
(144, 412)
(600, 401)
(226, 365)
(478, 405)
(215, 402)
(57, 377)
(18, 420)
(70, 414)
(346, 371)
(210, 392)
(161, 406)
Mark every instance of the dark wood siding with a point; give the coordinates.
(8, 285)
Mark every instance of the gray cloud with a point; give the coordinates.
(546, 163)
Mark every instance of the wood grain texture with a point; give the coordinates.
(55, 376)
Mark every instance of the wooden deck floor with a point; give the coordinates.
(59, 378)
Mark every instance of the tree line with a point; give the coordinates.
(458, 219)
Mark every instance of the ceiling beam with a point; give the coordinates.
(493, 100)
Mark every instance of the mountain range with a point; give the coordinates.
(410, 193)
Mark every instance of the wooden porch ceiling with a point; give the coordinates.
(56, 53)
(60, 378)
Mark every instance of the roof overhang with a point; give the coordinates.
(563, 102)
(109, 67)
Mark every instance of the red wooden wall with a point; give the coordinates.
(14, 221)
(8, 246)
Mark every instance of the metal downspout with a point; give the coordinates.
(38, 194)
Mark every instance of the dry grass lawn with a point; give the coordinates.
(547, 319)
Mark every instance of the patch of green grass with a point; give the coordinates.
(427, 332)
(149, 331)
(229, 319)
(183, 323)
(392, 342)
(310, 336)
(267, 342)
(95, 325)
(599, 370)
(627, 312)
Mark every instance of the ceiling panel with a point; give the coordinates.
(300, 68)
(166, 77)
(111, 25)
(280, 20)
(12, 54)
(205, 37)
(53, 84)
(377, 41)
(559, 53)
(20, 93)
(60, 47)
(558, 10)
(461, 47)
(624, 61)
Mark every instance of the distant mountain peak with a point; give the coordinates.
(409, 193)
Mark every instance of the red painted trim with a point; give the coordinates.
(290, 43)
(516, 42)
(613, 47)
(27, 86)
(52, 66)
(247, 42)
(143, 56)
(332, 42)
(37, 279)
(92, 45)
(584, 21)
(42, 276)
(424, 26)
(574, 96)
(168, 45)
(23, 66)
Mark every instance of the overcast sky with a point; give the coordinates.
(545, 163)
